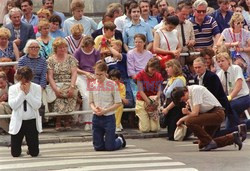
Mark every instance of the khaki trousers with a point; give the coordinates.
(205, 125)
(5, 109)
(146, 124)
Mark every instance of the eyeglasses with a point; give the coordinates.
(239, 23)
(34, 47)
(233, 6)
(201, 11)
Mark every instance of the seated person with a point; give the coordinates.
(4, 106)
(75, 39)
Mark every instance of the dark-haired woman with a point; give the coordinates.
(25, 100)
(166, 42)
(148, 95)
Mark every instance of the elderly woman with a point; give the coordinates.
(8, 49)
(62, 74)
(45, 40)
(237, 39)
(74, 40)
(25, 100)
(234, 85)
(33, 60)
(166, 43)
(176, 79)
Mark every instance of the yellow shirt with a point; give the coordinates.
(98, 41)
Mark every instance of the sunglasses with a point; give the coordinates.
(233, 6)
(239, 23)
(201, 11)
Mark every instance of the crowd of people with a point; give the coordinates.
(131, 58)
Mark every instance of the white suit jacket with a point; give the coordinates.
(16, 99)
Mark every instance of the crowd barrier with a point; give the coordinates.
(77, 112)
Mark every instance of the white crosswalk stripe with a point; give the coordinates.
(82, 157)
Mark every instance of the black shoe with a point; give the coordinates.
(124, 141)
(210, 146)
(242, 131)
(237, 140)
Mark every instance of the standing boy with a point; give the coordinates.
(104, 99)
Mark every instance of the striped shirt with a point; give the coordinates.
(38, 66)
(73, 44)
(204, 33)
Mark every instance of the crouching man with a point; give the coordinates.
(204, 116)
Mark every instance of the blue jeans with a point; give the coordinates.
(104, 137)
(129, 94)
(239, 106)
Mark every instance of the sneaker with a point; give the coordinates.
(123, 139)
(88, 127)
(118, 129)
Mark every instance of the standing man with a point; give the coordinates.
(162, 6)
(49, 4)
(223, 14)
(145, 14)
(206, 30)
(28, 16)
(77, 8)
(135, 26)
(204, 116)
(185, 29)
(20, 32)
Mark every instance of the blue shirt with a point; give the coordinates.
(221, 21)
(204, 33)
(88, 24)
(33, 21)
(61, 15)
(152, 21)
(130, 30)
(121, 66)
(38, 66)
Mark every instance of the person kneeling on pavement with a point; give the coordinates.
(204, 116)
(104, 99)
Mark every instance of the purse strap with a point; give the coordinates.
(166, 40)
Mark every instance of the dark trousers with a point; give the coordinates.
(28, 129)
(172, 117)
(104, 137)
(205, 125)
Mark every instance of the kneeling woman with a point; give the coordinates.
(25, 100)
(149, 89)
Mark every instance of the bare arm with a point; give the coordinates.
(156, 46)
(16, 51)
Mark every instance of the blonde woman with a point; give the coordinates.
(237, 39)
(45, 40)
(75, 39)
(176, 79)
(234, 84)
(8, 49)
(62, 73)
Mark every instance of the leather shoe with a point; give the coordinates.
(210, 146)
(242, 131)
(237, 140)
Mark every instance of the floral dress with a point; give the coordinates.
(62, 77)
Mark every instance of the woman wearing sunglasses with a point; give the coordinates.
(237, 39)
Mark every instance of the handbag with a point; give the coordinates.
(166, 57)
(42, 110)
(180, 132)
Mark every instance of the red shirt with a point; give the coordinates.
(150, 83)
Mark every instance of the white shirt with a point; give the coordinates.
(120, 22)
(234, 72)
(34, 101)
(172, 38)
(200, 95)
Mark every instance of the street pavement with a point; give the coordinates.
(82, 157)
